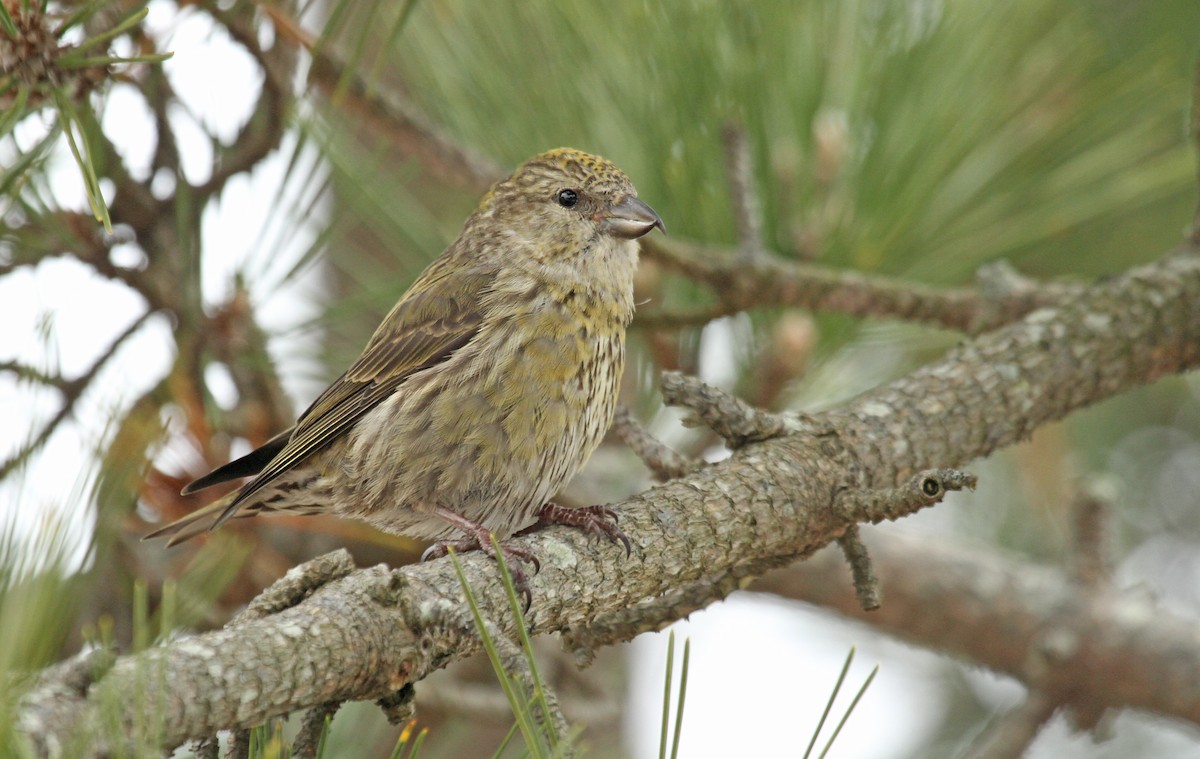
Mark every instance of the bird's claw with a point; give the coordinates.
(597, 520)
(513, 556)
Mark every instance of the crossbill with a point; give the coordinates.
(486, 387)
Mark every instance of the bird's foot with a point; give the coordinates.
(597, 520)
(480, 539)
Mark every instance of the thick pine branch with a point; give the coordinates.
(369, 634)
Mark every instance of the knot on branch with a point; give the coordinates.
(727, 415)
(924, 489)
(400, 707)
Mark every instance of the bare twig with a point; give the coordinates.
(71, 390)
(1090, 553)
(665, 462)
(727, 415)
(747, 210)
(866, 584)
(922, 490)
(309, 739)
(1011, 736)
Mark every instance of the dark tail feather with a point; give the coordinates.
(247, 466)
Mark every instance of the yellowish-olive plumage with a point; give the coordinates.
(486, 387)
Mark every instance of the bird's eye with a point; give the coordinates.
(567, 198)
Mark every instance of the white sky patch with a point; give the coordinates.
(760, 674)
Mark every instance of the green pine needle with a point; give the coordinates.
(666, 717)
(517, 700)
(829, 705)
(69, 119)
(6, 21)
(666, 710)
(850, 709)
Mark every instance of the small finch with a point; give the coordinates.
(486, 387)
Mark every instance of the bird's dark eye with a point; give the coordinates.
(567, 198)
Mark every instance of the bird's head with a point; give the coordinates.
(565, 202)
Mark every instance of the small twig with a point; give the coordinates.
(1012, 735)
(727, 415)
(747, 211)
(924, 489)
(297, 585)
(665, 462)
(866, 584)
(1090, 563)
(72, 390)
(308, 740)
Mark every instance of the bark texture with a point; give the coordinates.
(330, 634)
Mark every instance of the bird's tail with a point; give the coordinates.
(199, 521)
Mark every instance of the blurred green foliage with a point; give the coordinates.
(922, 137)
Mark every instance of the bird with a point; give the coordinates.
(486, 387)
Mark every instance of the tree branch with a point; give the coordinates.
(1001, 297)
(1088, 648)
(377, 631)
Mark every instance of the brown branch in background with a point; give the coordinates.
(743, 197)
(265, 128)
(71, 391)
(389, 113)
(1088, 649)
(1196, 147)
(771, 281)
(1090, 561)
(1012, 734)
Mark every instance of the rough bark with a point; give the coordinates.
(370, 633)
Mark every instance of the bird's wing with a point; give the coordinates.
(438, 315)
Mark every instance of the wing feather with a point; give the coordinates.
(439, 314)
